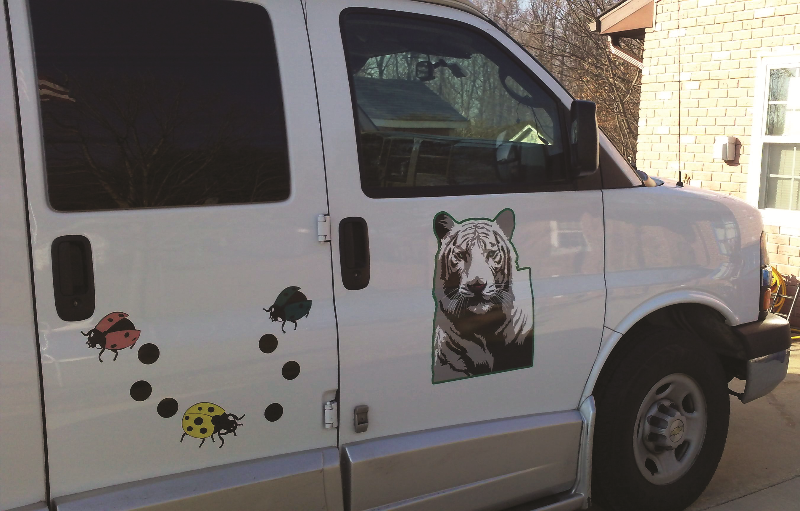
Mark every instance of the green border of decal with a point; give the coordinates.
(436, 304)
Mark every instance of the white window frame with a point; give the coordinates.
(756, 183)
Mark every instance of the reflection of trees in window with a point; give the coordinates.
(783, 102)
(143, 142)
(443, 107)
(559, 35)
(479, 96)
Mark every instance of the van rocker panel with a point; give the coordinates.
(507, 461)
(307, 480)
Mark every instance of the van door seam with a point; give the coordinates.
(12, 60)
(328, 204)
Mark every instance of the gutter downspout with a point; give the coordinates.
(617, 51)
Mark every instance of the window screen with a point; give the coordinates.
(442, 110)
(157, 103)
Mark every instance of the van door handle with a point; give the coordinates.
(354, 253)
(73, 277)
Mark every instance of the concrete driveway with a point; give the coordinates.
(760, 468)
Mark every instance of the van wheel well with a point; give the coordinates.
(703, 321)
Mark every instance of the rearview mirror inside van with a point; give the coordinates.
(424, 69)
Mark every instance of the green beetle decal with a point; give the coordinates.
(290, 305)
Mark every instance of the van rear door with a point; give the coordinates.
(174, 175)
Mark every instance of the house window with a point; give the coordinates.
(780, 137)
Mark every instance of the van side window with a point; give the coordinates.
(441, 109)
(149, 104)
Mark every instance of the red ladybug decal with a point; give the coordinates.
(114, 332)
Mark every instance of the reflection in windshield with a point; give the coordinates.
(441, 106)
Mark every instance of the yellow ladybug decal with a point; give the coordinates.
(203, 420)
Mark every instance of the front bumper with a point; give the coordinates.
(767, 346)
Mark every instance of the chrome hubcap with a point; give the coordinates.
(670, 429)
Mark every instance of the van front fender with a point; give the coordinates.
(613, 334)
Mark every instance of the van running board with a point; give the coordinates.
(567, 501)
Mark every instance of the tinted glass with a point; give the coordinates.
(156, 103)
(442, 110)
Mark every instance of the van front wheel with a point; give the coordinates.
(662, 422)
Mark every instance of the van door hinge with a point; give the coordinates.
(324, 228)
(330, 414)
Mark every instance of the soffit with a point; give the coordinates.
(627, 19)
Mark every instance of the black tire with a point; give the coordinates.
(618, 482)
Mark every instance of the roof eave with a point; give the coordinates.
(629, 18)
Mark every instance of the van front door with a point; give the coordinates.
(468, 261)
(174, 176)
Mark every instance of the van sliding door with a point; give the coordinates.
(175, 178)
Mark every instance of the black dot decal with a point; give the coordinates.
(148, 353)
(127, 334)
(189, 428)
(203, 431)
(113, 345)
(198, 420)
(167, 407)
(210, 408)
(110, 320)
(273, 412)
(199, 408)
(290, 370)
(141, 390)
(268, 343)
(186, 418)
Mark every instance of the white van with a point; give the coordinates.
(347, 255)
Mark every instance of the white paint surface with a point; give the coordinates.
(669, 244)
(22, 474)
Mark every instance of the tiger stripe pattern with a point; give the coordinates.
(478, 328)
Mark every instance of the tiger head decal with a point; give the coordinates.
(478, 326)
(474, 263)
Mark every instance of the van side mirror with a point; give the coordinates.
(584, 140)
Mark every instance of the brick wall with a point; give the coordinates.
(698, 83)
